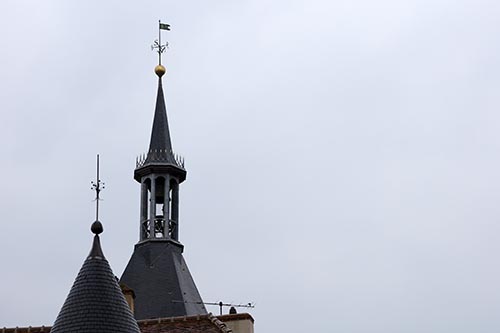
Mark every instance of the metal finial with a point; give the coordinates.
(97, 228)
(97, 186)
(160, 48)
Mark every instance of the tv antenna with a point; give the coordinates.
(221, 304)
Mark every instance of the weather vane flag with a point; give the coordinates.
(160, 48)
(164, 26)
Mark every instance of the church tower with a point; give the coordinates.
(157, 273)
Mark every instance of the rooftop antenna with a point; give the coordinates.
(98, 186)
(221, 304)
(160, 48)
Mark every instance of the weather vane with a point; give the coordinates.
(98, 186)
(160, 48)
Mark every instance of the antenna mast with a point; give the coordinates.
(221, 304)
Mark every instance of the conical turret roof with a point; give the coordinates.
(95, 303)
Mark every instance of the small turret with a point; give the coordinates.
(160, 174)
(95, 302)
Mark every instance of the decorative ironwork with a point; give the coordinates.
(172, 226)
(160, 48)
(97, 186)
(159, 156)
(159, 228)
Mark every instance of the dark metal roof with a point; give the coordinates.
(95, 302)
(160, 146)
(160, 279)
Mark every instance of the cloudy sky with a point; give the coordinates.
(343, 156)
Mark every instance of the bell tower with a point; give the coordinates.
(157, 273)
(159, 172)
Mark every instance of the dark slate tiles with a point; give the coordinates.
(95, 303)
(161, 281)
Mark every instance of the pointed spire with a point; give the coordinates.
(160, 135)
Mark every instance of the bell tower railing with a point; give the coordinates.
(159, 228)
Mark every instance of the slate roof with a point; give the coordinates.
(160, 134)
(157, 272)
(95, 303)
(161, 281)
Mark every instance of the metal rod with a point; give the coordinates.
(220, 304)
(98, 186)
(159, 42)
(97, 190)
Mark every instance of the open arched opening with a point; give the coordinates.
(145, 229)
(174, 209)
(159, 207)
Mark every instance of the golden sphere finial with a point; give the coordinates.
(160, 70)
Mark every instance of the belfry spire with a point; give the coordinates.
(160, 145)
(160, 142)
(157, 272)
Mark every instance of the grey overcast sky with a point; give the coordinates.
(343, 157)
